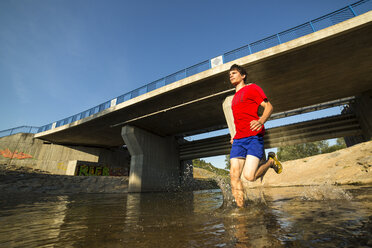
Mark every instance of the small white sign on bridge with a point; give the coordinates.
(216, 61)
(113, 102)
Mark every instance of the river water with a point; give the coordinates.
(318, 216)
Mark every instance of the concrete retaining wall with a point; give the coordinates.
(23, 149)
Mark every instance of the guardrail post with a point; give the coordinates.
(277, 35)
(312, 27)
(249, 48)
(352, 10)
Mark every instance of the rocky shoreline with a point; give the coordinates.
(23, 180)
(26, 180)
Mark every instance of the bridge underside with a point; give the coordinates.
(330, 64)
(298, 133)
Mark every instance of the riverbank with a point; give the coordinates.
(26, 180)
(346, 166)
(349, 166)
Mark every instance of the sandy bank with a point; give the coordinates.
(347, 166)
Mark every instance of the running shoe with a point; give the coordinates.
(277, 166)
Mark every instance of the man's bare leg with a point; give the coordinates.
(236, 167)
(262, 169)
(252, 170)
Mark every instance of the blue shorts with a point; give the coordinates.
(253, 145)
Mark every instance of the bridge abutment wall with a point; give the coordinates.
(362, 108)
(155, 163)
(23, 149)
(363, 111)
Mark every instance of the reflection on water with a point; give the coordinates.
(276, 217)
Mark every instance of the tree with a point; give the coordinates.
(292, 152)
(298, 151)
(200, 163)
(340, 144)
(227, 162)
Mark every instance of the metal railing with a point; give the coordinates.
(22, 129)
(325, 21)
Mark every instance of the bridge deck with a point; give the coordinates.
(330, 64)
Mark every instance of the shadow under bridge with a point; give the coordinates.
(307, 131)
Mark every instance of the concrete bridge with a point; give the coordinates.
(327, 65)
(330, 64)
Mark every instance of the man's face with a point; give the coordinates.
(236, 77)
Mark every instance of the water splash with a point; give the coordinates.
(325, 192)
(254, 196)
(251, 195)
(225, 186)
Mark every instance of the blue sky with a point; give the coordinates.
(58, 58)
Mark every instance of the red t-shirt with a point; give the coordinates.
(245, 106)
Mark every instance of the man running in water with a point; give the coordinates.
(247, 144)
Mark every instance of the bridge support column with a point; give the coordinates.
(187, 173)
(226, 105)
(154, 164)
(363, 111)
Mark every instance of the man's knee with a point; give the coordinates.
(249, 177)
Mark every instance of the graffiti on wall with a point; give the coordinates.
(93, 170)
(86, 170)
(6, 153)
(61, 166)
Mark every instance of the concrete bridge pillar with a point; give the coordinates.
(187, 171)
(226, 105)
(363, 111)
(155, 164)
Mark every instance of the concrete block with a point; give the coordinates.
(155, 164)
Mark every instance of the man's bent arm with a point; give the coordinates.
(268, 109)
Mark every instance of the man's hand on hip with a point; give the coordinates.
(256, 125)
